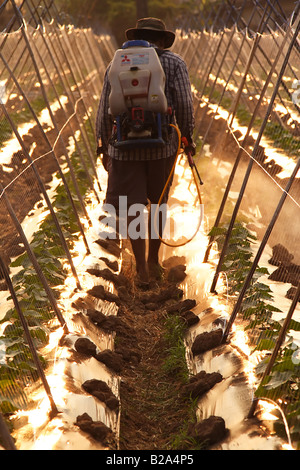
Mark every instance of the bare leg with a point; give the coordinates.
(139, 251)
(155, 229)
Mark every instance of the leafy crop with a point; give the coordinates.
(17, 367)
(257, 310)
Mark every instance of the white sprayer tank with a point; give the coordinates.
(137, 79)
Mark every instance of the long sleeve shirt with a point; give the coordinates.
(179, 98)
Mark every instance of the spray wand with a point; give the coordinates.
(190, 159)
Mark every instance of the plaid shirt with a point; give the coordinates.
(179, 98)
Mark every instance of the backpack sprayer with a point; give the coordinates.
(137, 99)
(139, 106)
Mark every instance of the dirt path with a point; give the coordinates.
(151, 392)
(151, 402)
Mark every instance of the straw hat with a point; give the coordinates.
(151, 24)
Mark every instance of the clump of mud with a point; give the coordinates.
(286, 271)
(98, 430)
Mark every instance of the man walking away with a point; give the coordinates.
(140, 173)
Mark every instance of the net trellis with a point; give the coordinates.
(247, 112)
(50, 76)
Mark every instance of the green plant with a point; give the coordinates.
(175, 361)
(183, 439)
(175, 365)
(257, 310)
(17, 367)
(283, 139)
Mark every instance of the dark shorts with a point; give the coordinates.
(140, 181)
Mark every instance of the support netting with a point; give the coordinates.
(51, 77)
(247, 117)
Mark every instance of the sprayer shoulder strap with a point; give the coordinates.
(159, 52)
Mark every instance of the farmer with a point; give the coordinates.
(141, 173)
